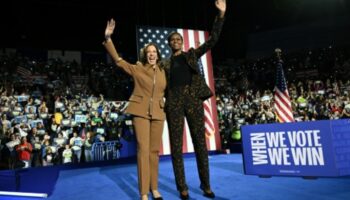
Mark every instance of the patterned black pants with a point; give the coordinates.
(181, 103)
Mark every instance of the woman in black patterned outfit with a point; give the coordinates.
(185, 95)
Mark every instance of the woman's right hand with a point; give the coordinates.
(109, 28)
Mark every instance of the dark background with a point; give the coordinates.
(79, 24)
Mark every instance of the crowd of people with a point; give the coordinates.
(318, 86)
(38, 117)
(39, 131)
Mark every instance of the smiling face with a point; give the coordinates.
(175, 42)
(151, 54)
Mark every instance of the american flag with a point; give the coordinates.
(24, 72)
(192, 38)
(282, 100)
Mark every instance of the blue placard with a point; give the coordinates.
(34, 123)
(80, 118)
(28, 108)
(297, 149)
(22, 98)
(20, 119)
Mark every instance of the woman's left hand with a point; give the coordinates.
(109, 28)
(221, 6)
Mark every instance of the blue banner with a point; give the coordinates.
(318, 148)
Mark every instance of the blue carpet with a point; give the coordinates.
(227, 178)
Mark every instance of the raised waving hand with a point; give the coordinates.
(221, 6)
(109, 28)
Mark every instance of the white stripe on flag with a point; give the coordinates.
(209, 124)
(165, 140)
(210, 129)
(191, 39)
(284, 105)
(181, 33)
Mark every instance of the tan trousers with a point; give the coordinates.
(148, 135)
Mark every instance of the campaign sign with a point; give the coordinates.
(318, 148)
(80, 119)
(22, 98)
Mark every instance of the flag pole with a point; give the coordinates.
(282, 101)
(278, 52)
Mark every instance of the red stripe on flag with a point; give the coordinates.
(283, 115)
(287, 114)
(282, 101)
(208, 121)
(196, 39)
(281, 97)
(186, 39)
(161, 151)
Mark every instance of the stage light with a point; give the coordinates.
(24, 194)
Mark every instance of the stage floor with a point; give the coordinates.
(227, 179)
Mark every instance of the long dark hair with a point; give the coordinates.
(143, 53)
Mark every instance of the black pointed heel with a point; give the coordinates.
(184, 196)
(207, 194)
(156, 198)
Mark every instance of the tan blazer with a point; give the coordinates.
(147, 99)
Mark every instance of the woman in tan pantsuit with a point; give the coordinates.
(146, 104)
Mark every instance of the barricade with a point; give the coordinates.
(105, 150)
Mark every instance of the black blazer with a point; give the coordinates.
(198, 88)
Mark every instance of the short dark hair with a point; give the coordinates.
(174, 33)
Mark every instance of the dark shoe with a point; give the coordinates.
(156, 198)
(208, 193)
(184, 195)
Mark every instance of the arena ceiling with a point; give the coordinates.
(79, 25)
